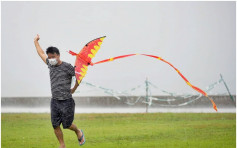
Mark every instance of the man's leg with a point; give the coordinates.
(59, 134)
(68, 117)
(56, 119)
(78, 132)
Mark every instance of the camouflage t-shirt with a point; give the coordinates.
(60, 79)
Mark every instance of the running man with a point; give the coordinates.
(62, 105)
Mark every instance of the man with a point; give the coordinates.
(62, 105)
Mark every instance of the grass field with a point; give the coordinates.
(163, 130)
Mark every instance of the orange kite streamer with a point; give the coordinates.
(85, 56)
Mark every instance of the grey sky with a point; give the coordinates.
(196, 37)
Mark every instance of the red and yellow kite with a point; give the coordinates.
(85, 56)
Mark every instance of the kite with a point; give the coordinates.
(84, 57)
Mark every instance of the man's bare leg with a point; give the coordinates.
(59, 134)
(78, 132)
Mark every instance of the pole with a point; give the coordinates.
(146, 95)
(231, 97)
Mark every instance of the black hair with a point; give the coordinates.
(52, 50)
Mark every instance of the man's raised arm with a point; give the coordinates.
(39, 49)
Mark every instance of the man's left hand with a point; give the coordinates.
(72, 91)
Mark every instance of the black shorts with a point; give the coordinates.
(62, 111)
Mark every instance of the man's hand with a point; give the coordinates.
(72, 91)
(39, 49)
(75, 87)
(37, 37)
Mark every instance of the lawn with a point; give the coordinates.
(163, 130)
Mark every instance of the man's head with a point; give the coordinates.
(53, 53)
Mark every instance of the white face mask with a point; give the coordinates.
(53, 61)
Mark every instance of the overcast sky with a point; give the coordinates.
(198, 38)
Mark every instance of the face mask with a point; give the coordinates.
(53, 61)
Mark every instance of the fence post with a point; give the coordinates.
(146, 95)
(231, 97)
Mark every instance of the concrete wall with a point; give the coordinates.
(108, 101)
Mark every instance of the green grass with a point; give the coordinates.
(182, 130)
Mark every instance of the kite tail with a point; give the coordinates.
(114, 58)
(159, 58)
(205, 94)
(213, 103)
